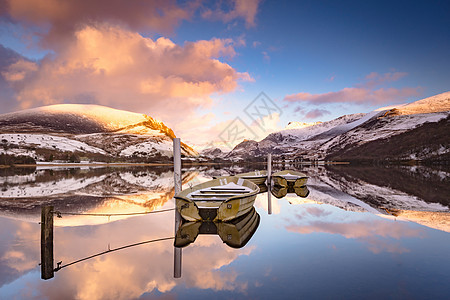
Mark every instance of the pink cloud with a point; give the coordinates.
(59, 19)
(120, 68)
(332, 78)
(357, 96)
(316, 113)
(375, 79)
(63, 17)
(362, 93)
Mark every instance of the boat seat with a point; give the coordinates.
(227, 189)
(224, 191)
(211, 199)
(215, 195)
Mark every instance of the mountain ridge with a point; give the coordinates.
(329, 139)
(88, 130)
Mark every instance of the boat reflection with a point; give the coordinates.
(235, 233)
(262, 188)
(281, 191)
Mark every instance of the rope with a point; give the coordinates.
(59, 214)
(59, 267)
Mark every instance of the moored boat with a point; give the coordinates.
(257, 176)
(289, 178)
(221, 199)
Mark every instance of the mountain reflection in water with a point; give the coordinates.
(351, 230)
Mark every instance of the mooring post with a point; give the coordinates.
(269, 201)
(177, 184)
(269, 179)
(47, 270)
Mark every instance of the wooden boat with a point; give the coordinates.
(289, 178)
(235, 233)
(221, 199)
(257, 176)
(281, 191)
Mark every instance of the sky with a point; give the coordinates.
(220, 71)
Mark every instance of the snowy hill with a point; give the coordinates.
(328, 139)
(88, 131)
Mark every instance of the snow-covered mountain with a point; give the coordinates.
(212, 153)
(332, 138)
(91, 131)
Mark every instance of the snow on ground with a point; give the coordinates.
(43, 189)
(298, 125)
(18, 152)
(437, 103)
(110, 117)
(392, 126)
(49, 142)
(310, 131)
(165, 148)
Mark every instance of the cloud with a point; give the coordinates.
(266, 56)
(374, 79)
(245, 9)
(256, 44)
(363, 93)
(316, 113)
(331, 79)
(116, 67)
(8, 58)
(63, 17)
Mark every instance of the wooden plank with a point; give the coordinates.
(228, 188)
(224, 191)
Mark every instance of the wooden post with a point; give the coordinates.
(177, 183)
(269, 183)
(269, 201)
(47, 270)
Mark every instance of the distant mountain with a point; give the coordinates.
(418, 130)
(90, 131)
(212, 153)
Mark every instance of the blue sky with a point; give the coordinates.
(328, 57)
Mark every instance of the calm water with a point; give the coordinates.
(362, 232)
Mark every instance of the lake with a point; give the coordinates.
(360, 232)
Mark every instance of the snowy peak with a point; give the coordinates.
(305, 132)
(296, 125)
(80, 118)
(437, 103)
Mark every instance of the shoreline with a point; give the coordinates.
(161, 164)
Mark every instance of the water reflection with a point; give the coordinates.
(345, 226)
(235, 233)
(281, 191)
(95, 191)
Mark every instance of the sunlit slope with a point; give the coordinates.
(116, 132)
